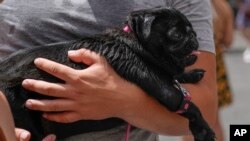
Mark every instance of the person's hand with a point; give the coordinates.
(23, 135)
(93, 93)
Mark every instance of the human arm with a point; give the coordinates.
(101, 93)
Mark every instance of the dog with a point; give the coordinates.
(151, 52)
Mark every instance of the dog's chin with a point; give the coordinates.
(185, 57)
(188, 49)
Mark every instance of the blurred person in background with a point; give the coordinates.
(223, 36)
(234, 5)
(243, 24)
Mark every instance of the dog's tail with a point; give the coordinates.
(198, 126)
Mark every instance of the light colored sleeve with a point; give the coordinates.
(199, 14)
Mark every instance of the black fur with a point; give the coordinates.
(154, 54)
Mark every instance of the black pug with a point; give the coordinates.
(153, 56)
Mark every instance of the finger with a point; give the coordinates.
(46, 88)
(22, 135)
(58, 70)
(90, 58)
(55, 105)
(50, 137)
(85, 56)
(63, 117)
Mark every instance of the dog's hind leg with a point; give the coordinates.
(197, 124)
(192, 76)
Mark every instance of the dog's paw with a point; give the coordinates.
(196, 75)
(199, 127)
(205, 134)
(192, 76)
(189, 60)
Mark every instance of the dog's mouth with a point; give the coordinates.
(186, 57)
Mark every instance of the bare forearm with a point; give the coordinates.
(103, 96)
(152, 116)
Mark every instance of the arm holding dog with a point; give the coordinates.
(100, 85)
(157, 118)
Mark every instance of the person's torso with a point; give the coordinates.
(28, 23)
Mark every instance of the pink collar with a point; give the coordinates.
(127, 29)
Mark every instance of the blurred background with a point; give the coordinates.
(236, 57)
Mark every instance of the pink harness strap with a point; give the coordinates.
(128, 128)
(128, 30)
(127, 132)
(187, 98)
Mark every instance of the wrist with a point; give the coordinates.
(131, 99)
(141, 110)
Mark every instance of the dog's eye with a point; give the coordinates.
(175, 34)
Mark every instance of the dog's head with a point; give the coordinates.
(166, 35)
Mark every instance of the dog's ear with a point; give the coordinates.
(147, 23)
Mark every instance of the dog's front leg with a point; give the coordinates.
(157, 85)
(192, 76)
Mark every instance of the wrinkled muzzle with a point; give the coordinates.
(188, 44)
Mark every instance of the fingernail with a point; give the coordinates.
(26, 82)
(71, 52)
(24, 136)
(50, 138)
(53, 137)
(37, 60)
(28, 104)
